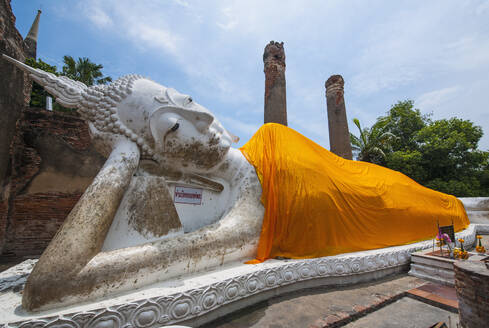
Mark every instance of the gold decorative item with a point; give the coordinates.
(479, 248)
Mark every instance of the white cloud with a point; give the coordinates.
(482, 8)
(98, 17)
(238, 127)
(182, 3)
(149, 37)
(386, 51)
(374, 80)
(229, 18)
(434, 99)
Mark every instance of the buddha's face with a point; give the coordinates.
(189, 143)
(182, 132)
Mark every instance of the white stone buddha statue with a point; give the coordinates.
(125, 231)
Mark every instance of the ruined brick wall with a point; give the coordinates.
(14, 87)
(46, 158)
(14, 95)
(52, 163)
(472, 285)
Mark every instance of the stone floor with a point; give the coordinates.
(406, 313)
(399, 301)
(439, 295)
(6, 264)
(331, 307)
(315, 308)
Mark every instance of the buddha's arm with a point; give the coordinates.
(82, 235)
(233, 237)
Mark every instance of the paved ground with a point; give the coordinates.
(10, 263)
(316, 307)
(405, 313)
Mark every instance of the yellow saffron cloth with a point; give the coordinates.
(319, 204)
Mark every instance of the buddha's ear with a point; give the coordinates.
(160, 122)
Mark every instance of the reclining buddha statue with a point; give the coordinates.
(280, 195)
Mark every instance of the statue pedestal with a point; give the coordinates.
(196, 299)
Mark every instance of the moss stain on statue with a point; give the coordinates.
(150, 207)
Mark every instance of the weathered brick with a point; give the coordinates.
(275, 92)
(473, 297)
(49, 142)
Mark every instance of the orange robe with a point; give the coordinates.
(319, 204)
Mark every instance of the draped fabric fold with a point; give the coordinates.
(319, 204)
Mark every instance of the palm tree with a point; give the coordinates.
(84, 71)
(373, 142)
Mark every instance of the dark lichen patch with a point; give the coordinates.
(197, 153)
(150, 207)
(213, 141)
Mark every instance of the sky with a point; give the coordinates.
(435, 53)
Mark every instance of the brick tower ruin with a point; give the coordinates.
(275, 96)
(30, 40)
(339, 135)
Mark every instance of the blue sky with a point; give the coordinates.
(433, 52)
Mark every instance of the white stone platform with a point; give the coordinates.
(440, 269)
(435, 268)
(197, 299)
(432, 268)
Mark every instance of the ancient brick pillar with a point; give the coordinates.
(339, 135)
(472, 285)
(275, 97)
(30, 40)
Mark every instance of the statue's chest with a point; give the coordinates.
(154, 208)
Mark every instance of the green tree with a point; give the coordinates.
(404, 121)
(84, 70)
(450, 153)
(38, 94)
(409, 162)
(372, 142)
(441, 154)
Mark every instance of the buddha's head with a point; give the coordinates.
(168, 127)
(179, 132)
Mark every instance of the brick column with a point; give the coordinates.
(472, 285)
(339, 135)
(275, 97)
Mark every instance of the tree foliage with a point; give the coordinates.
(84, 70)
(372, 142)
(404, 122)
(440, 154)
(38, 94)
